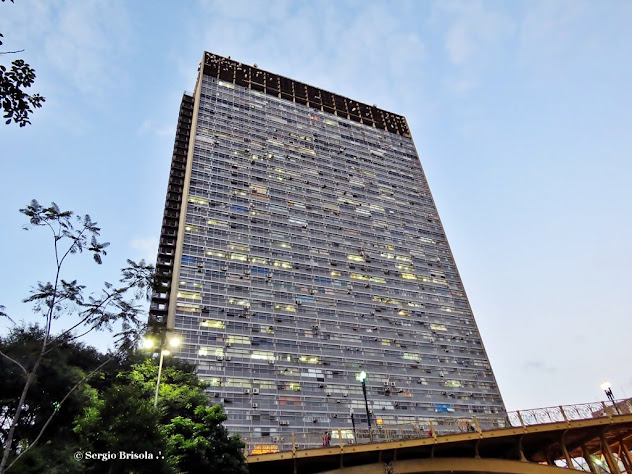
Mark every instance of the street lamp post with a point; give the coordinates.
(606, 387)
(352, 422)
(148, 343)
(163, 353)
(362, 379)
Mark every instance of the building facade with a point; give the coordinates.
(300, 246)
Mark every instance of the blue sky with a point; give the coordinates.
(520, 111)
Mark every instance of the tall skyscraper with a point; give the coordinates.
(300, 246)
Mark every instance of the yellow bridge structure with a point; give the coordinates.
(591, 437)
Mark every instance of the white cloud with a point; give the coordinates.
(331, 45)
(84, 43)
(146, 248)
(154, 128)
(474, 30)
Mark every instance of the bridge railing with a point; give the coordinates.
(282, 442)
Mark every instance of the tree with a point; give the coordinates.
(201, 443)
(61, 299)
(67, 364)
(13, 100)
(182, 428)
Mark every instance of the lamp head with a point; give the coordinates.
(174, 341)
(361, 376)
(605, 386)
(148, 343)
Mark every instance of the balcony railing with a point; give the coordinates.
(282, 442)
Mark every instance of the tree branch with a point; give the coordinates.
(50, 418)
(15, 362)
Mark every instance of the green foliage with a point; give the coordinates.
(63, 302)
(66, 364)
(182, 429)
(13, 100)
(201, 443)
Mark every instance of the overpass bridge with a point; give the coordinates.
(591, 437)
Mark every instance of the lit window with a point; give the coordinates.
(226, 84)
(243, 247)
(355, 258)
(216, 253)
(239, 256)
(377, 279)
(239, 302)
(334, 273)
(191, 228)
(190, 308)
(358, 276)
(262, 355)
(408, 276)
(213, 323)
(438, 327)
(309, 359)
(401, 266)
(198, 200)
(285, 307)
(387, 255)
(403, 312)
(282, 264)
(259, 260)
(403, 259)
(453, 383)
(245, 340)
(386, 342)
(190, 295)
(218, 223)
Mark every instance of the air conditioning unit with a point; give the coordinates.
(329, 394)
(393, 384)
(276, 439)
(345, 394)
(270, 362)
(246, 272)
(255, 391)
(246, 391)
(284, 423)
(220, 358)
(228, 357)
(314, 420)
(385, 383)
(255, 405)
(335, 416)
(224, 269)
(228, 344)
